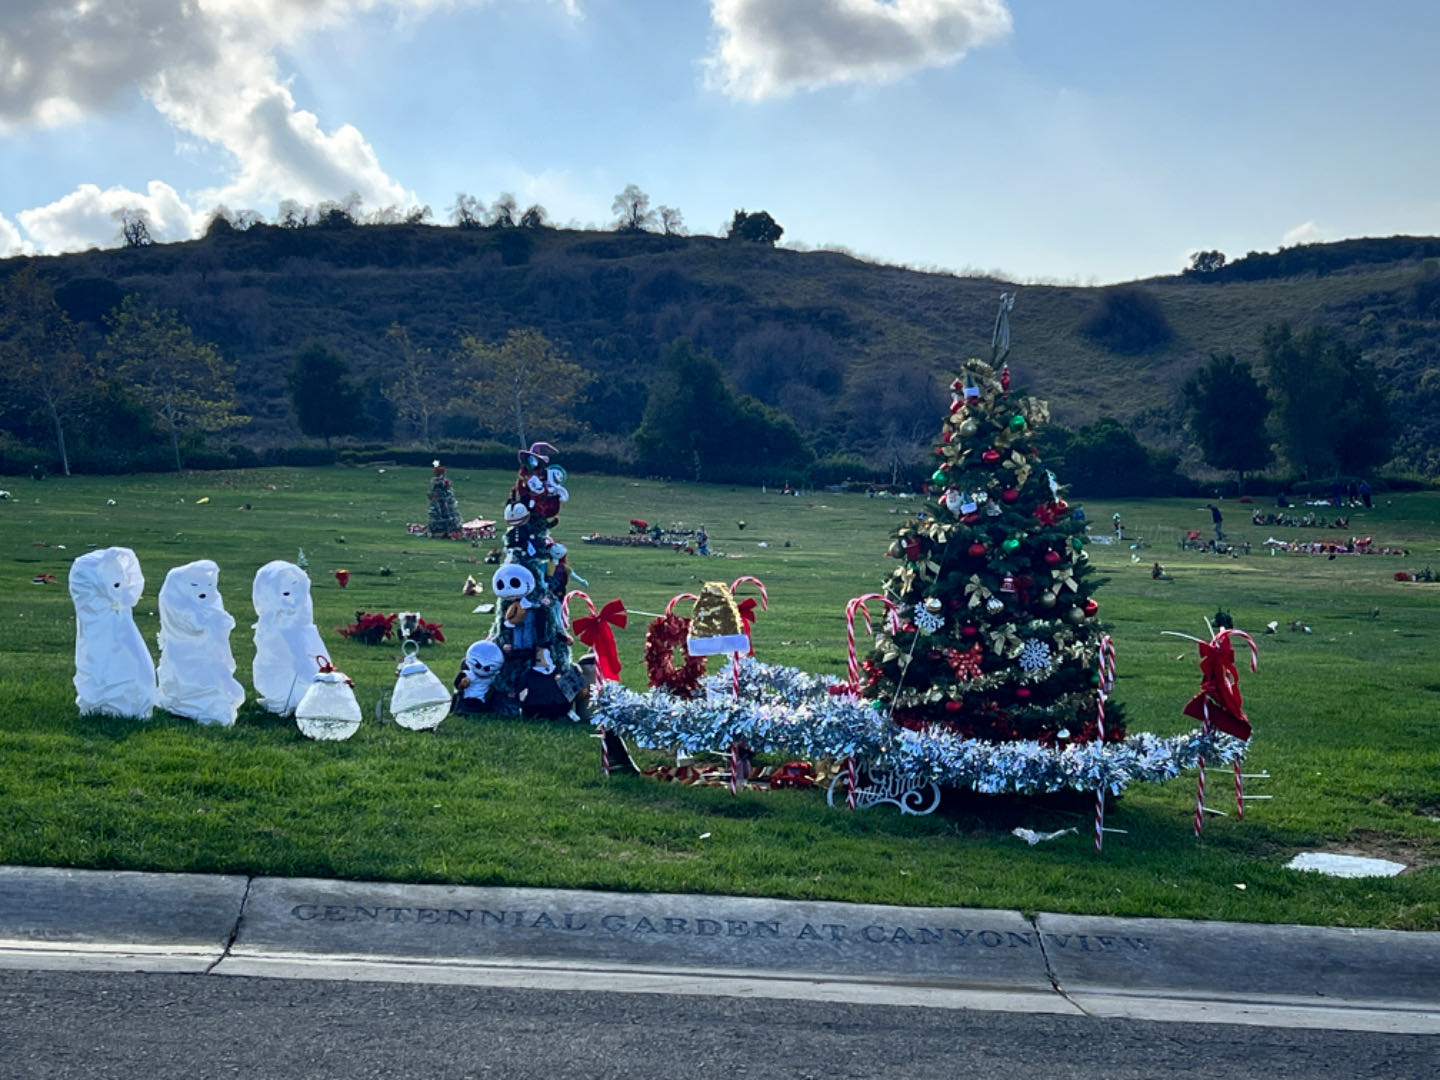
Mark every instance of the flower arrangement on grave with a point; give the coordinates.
(369, 629)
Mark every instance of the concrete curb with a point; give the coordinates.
(1159, 969)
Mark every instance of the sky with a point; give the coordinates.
(1041, 140)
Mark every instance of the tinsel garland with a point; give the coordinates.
(784, 711)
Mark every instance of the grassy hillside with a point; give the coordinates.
(856, 353)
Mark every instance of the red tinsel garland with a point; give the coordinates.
(661, 638)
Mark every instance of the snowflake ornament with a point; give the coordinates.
(1035, 655)
(928, 621)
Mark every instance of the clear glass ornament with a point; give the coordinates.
(329, 709)
(420, 700)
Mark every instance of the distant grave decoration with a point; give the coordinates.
(990, 670)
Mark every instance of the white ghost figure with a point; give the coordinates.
(286, 641)
(555, 483)
(114, 674)
(196, 667)
(483, 661)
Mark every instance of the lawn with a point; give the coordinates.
(1347, 715)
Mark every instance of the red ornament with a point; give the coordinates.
(1061, 506)
(1007, 583)
(1009, 495)
(1023, 693)
(1090, 606)
(1005, 377)
(953, 706)
(991, 456)
(977, 550)
(1052, 558)
(969, 631)
(913, 549)
(970, 519)
(946, 437)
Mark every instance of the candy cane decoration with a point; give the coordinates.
(1239, 782)
(670, 607)
(734, 769)
(605, 750)
(851, 782)
(851, 608)
(565, 606)
(1200, 789)
(1105, 662)
(764, 606)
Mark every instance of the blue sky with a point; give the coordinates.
(1091, 141)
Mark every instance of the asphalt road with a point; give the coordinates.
(64, 1025)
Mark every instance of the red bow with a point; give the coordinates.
(747, 618)
(594, 631)
(1218, 703)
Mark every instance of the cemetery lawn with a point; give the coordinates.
(1346, 714)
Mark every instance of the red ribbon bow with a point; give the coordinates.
(594, 631)
(1218, 704)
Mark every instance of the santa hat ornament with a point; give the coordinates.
(715, 625)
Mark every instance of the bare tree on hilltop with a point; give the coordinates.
(632, 208)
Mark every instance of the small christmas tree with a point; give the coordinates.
(998, 637)
(537, 675)
(444, 511)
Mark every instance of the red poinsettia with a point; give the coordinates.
(369, 629)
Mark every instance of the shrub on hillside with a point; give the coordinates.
(1127, 320)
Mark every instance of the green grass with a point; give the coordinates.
(1346, 717)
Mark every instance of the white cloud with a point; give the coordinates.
(89, 217)
(10, 240)
(1307, 233)
(770, 48)
(209, 67)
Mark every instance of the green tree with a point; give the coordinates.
(1227, 411)
(758, 228)
(186, 384)
(1331, 412)
(40, 362)
(694, 424)
(326, 402)
(1206, 262)
(524, 383)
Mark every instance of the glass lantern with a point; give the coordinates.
(329, 709)
(420, 700)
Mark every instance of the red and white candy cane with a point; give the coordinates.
(859, 605)
(670, 607)
(1105, 662)
(746, 615)
(1239, 781)
(565, 608)
(605, 750)
(734, 768)
(851, 782)
(1200, 790)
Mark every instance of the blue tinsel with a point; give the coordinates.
(786, 712)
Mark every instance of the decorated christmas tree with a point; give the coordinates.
(444, 511)
(996, 634)
(537, 676)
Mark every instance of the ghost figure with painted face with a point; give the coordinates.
(286, 641)
(196, 666)
(114, 674)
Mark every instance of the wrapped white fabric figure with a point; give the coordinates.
(114, 674)
(286, 641)
(196, 667)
